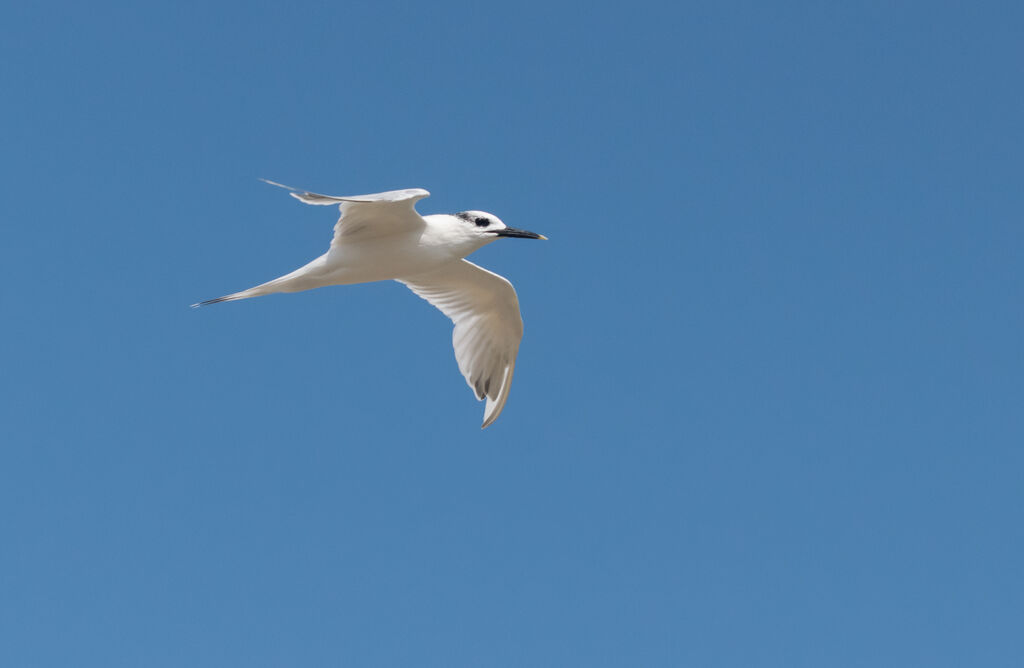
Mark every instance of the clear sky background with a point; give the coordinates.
(768, 405)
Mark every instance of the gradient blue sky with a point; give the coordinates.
(768, 407)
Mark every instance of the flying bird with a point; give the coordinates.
(381, 237)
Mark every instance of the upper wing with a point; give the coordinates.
(365, 216)
(488, 327)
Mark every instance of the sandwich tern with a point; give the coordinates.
(382, 237)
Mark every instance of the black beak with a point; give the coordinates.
(521, 234)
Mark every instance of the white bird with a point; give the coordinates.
(382, 237)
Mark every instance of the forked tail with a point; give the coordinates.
(282, 284)
(244, 294)
(303, 278)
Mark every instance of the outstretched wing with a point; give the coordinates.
(488, 327)
(367, 216)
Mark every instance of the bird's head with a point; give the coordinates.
(486, 227)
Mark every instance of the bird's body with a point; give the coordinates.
(382, 237)
(375, 258)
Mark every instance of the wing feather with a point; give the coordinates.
(366, 216)
(488, 326)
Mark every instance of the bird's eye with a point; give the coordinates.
(482, 222)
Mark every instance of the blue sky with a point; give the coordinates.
(767, 409)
